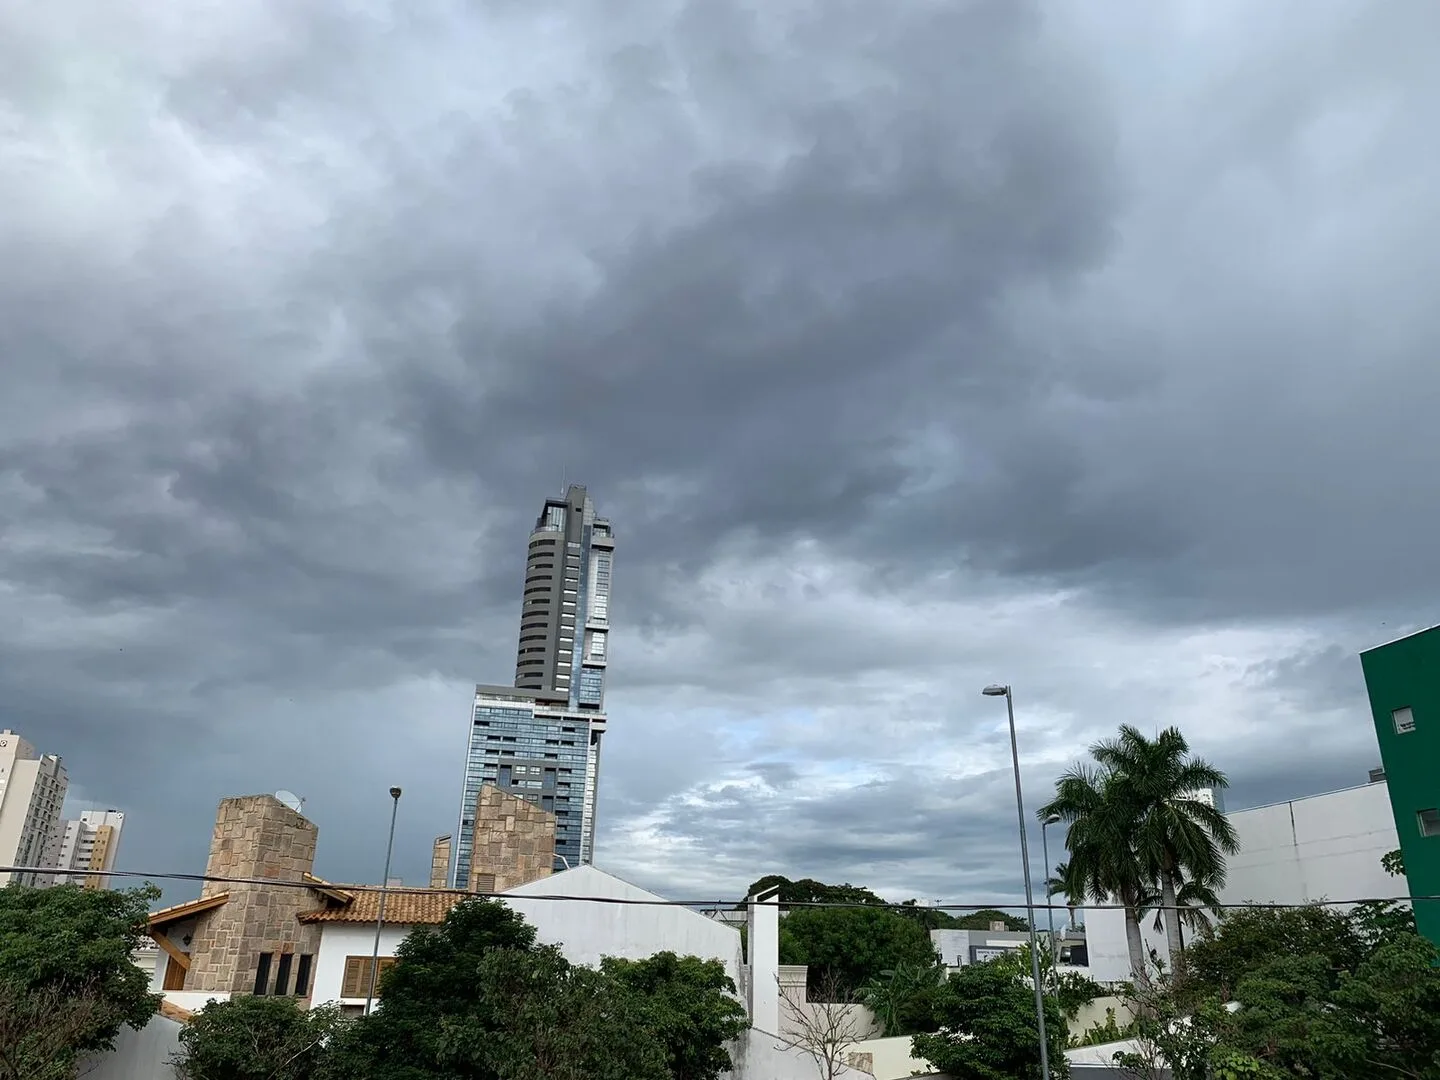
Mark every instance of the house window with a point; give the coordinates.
(1404, 720)
(1429, 822)
(302, 974)
(356, 983)
(282, 974)
(262, 973)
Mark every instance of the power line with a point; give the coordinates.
(721, 905)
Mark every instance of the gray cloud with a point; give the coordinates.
(909, 348)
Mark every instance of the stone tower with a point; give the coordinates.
(514, 842)
(256, 836)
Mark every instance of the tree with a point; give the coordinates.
(853, 944)
(903, 998)
(1246, 939)
(65, 965)
(1176, 835)
(1138, 831)
(810, 891)
(1394, 863)
(691, 1007)
(1103, 866)
(988, 1029)
(256, 1038)
(538, 1017)
(824, 1028)
(981, 920)
(477, 999)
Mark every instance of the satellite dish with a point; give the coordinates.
(290, 799)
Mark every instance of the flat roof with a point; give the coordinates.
(1302, 798)
(1402, 637)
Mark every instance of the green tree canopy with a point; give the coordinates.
(981, 920)
(986, 1016)
(810, 891)
(689, 1005)
(854, 945)
(477, 999)
(65, 964)
(256, 1038)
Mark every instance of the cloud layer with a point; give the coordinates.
(910, 347)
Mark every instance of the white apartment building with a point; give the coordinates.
(1321, 847)
(88, 842)
(32, 791)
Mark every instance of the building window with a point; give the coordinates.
(1429, 822)
(1404, 720)
(262, 973)
(302, 974)
(356, 983)
(282, 975)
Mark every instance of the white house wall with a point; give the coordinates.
(1324, 847)
(339, 940)
(587, 930)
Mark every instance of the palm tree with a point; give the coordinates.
(1197, 904)
(1175, 834)
(1104, 866)
(1055, 886)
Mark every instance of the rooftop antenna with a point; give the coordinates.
(290, 799)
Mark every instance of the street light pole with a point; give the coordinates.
(384, 886)
(1004, 691)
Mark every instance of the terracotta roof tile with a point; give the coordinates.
(423, 907)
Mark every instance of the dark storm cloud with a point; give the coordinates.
(305, 308)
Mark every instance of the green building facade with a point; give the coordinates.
(1403, 681)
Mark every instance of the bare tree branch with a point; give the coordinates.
(824, 1029)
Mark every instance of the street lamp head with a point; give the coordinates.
(395, 793)
(995, 690)
(1053, 819)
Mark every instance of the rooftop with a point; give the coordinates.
(417, 907)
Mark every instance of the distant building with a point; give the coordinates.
(540, 739)
(1322, 847)
(1403, 681)
(89, 842)
(32, 793)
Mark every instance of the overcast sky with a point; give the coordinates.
(910, 346)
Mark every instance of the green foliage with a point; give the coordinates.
(478, 999)
(929, 917)
(67, 982)
(853, 945)
(1393, 863)
(810, 891)
(538, 1017)
(690, 1007)
(903, 999)
(1098, 1033)
(1247, 938)
(987, 1028)
(981, 920)
(1138, 834)
(256, 1038)
(1313, 993)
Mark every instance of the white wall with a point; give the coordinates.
(586, 930)
(138, 1055)
(195, 1000)
(339, 940)
(1324, 847)
(760, 1055)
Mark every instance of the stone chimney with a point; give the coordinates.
(514, 841)
(440, 862)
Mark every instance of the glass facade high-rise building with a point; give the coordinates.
(540, 739)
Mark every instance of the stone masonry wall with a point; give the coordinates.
(514, 840)
(440, 862)
(256, 836)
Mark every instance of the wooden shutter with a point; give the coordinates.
(302, 975)
(174, 975)
(356, 983)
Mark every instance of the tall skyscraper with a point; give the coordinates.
(89, 842)
(32, 791)
(540, 739)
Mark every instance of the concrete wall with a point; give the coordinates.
(1324, 847)
(888, 1059)
(760, 1055)
(138, 1055)
(587, 931)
